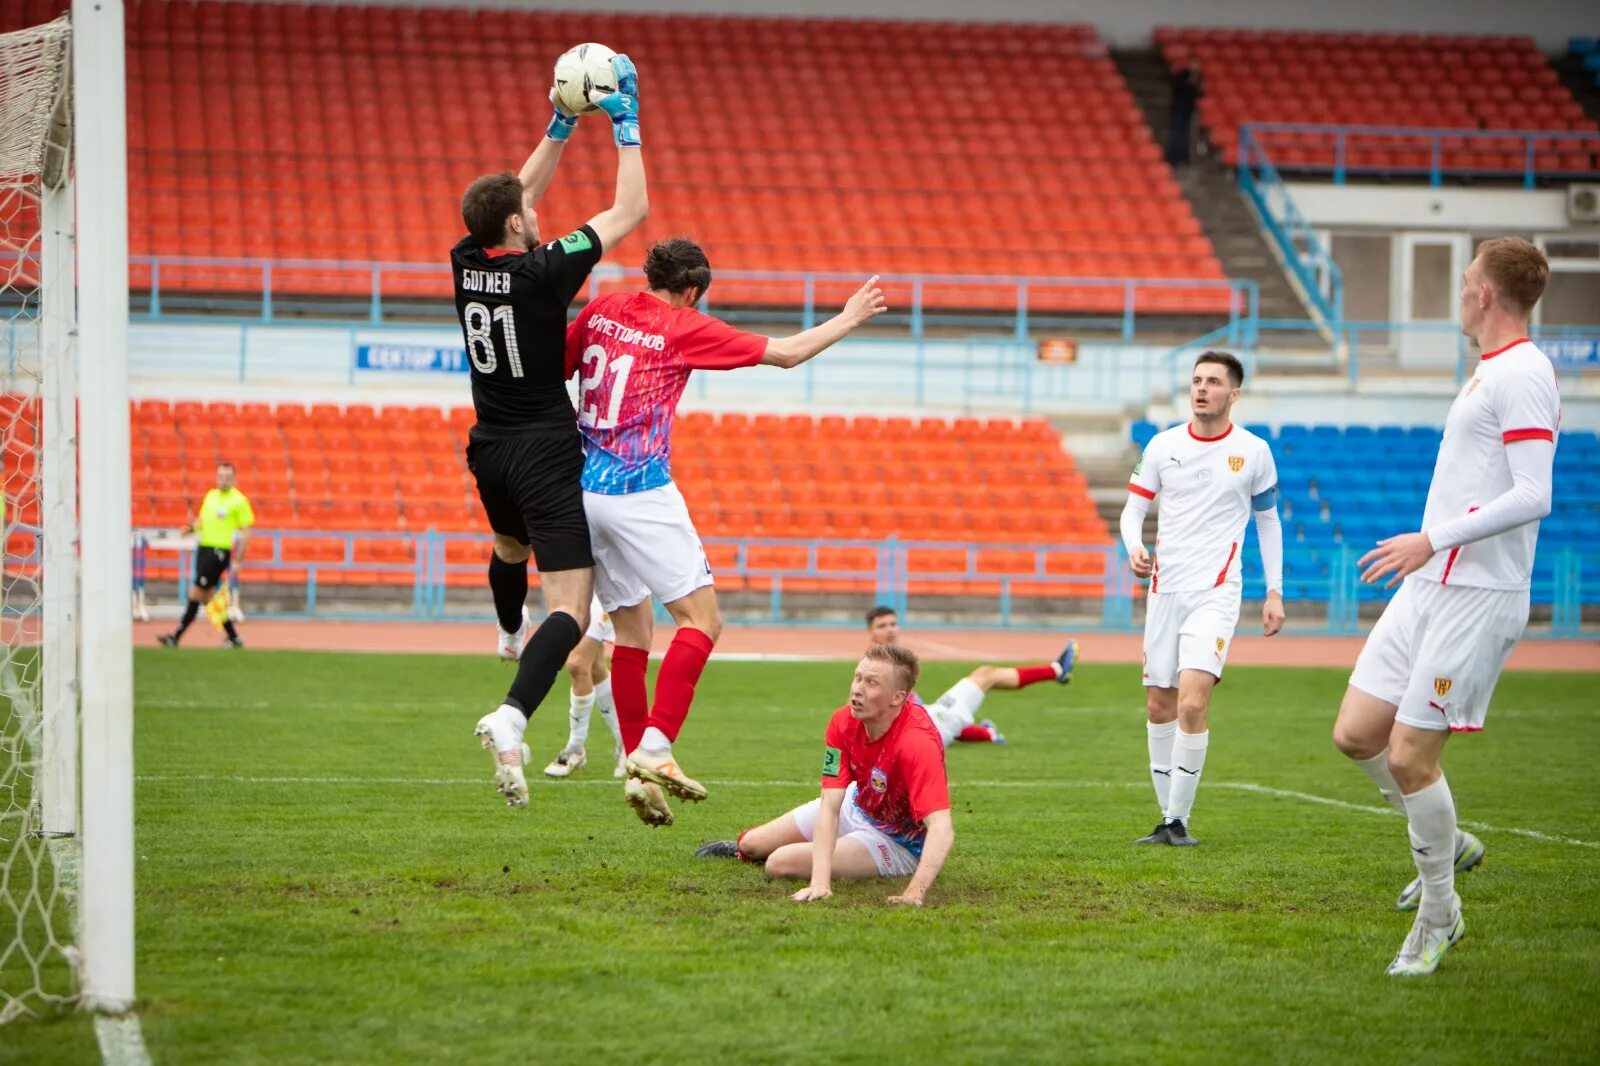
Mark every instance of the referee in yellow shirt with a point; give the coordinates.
(224, 525)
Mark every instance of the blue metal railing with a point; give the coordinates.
(1436, 152)
(260, 291)
(899, 574)
(1302, 250)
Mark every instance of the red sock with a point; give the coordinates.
(739, 844)
(975, 734)
(1032, 675)
(680, 672)
(628, 691)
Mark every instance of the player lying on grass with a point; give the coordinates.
(955, 712)
(634, 352)
(589, 669)
(885, 804)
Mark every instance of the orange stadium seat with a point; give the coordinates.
(1432, 81)
(363, 93)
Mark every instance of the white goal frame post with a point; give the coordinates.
(106, 918)
(70, 136)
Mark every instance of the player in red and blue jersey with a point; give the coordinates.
(885, 804)
(634, 352)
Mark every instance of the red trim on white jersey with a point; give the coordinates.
(1450, 561)
(1141, 490)
(1511, 436)
(1507, 348)
(1209, 440)
(1233, 550)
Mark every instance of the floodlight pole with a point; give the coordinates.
(106, 907)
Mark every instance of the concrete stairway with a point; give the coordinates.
(1214, 193)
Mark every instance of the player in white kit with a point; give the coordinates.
(589, 671)
(1211, 476)
(1430, 665)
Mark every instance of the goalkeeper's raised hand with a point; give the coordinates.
(623, 105)
(563, 122)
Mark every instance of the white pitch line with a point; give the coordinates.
(121, 1040)
(1233, 786)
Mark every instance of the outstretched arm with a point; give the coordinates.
(861, 308)
(631, 204)
(935, 849)
(540, 169)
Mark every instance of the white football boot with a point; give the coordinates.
(647, 801)
(500, 732)
(567, 763)
(511, 643)
(1426, 944)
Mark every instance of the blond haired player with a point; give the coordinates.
(1430, 665)
(884, 810)
(1211, 476)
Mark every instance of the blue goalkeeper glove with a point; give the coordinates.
(622, 105)
(563, 122)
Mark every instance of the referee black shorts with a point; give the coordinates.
(209, 566)
(531, 487)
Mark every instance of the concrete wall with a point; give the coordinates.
(1450, 208)
(1127, 23)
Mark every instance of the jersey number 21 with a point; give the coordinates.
(589, 384)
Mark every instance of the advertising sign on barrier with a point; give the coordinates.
(411, 358)
(1571, 352)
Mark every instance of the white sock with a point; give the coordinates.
(1377, 768)
(1431, 819)
(578, 720)
(1188, 759)
(608, 709)
(655, 741)
(515, 723)
(1160, 740)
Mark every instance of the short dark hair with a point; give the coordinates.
(486, 205)
(230, 466)
(677, 264)
(1227, 359)
(878, 612)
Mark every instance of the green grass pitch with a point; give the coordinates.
(325, 874)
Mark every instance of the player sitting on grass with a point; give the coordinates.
(589, 668)
(955, 712)
(885, 804)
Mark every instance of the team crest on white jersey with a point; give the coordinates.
(1236, 463)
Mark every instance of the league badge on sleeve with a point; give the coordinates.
(830, 762)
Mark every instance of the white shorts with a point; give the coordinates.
(892, 858)
(600, 627)
(1188, 631)
(644, 545)
(956, 709)
(1438, 650)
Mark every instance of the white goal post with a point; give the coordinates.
(66, 661)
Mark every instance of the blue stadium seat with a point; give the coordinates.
(1261, 430)
(1141, 433)
(1581, 46)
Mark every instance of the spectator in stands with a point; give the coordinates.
(1186, 87)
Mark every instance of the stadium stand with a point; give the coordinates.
(342, 133)
(323, 468)
(1350, 486)
(1425, 81)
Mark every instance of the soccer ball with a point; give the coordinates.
(580, 69)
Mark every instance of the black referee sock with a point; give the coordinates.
(509, 583)
(189, 613)
(542, 659)
(227, 627)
